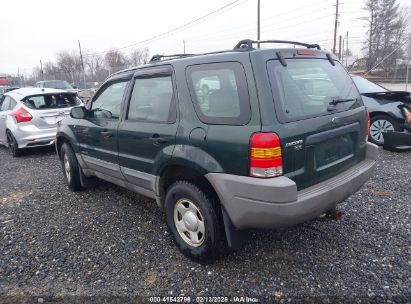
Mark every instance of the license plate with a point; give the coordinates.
(334, 151)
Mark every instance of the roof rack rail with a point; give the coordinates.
(157, 58)
(247, 44)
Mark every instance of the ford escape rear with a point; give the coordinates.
(277, 139)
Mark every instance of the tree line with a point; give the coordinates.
(388, 37)
(67, 65)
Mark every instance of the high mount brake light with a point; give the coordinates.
(306, 52)
(21, 115)
(265, 155)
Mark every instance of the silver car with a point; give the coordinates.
(29, 116)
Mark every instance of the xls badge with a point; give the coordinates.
(297, 145)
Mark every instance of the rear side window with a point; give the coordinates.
(220, 93)
(151, 100)
(51, 101)
(13, 104)
(5, 103)
(305, 87)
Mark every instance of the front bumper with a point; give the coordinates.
(397, 141)
(276, 203)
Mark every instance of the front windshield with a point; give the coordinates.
(366, 86)
(64, 85)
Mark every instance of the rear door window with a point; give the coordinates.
(151, 100)
(305, 87)
(220, 93)
(51, 101)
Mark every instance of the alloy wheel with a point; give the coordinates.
(379, 127)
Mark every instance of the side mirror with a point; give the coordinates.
(78, 113)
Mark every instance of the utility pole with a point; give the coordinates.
(82, 65)
(342, 52)
(184, 46)
(339, 49)
(258, 22)
(346, 52)
(335, 26)
(41, 70)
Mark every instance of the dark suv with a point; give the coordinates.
(278, 139)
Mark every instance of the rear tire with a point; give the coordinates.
(13, 145)
(71, 168)
(195, 221)
(380, 124)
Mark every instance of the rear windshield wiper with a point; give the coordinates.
(334, 102)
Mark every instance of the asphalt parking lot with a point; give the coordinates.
(108, 241)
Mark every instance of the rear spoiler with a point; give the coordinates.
(403, 96)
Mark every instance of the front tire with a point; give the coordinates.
(195, 221)
(71, 169)
(380, 124)
(13, 145)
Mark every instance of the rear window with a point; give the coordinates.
(51, 101)
(56, 84)
(305, 87)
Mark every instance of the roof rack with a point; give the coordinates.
(157, 58)
(247, 44)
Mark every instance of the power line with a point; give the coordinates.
(226, 8)
(307, 21)
(295, 10)
(388, 56)
(302, 15)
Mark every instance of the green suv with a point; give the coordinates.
(278, 139)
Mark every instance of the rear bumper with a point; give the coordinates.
(275, 203)
(29, 136)
(397, 141)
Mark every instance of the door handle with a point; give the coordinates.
(106, 134)
(156, 139)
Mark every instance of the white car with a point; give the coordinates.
(29, 116)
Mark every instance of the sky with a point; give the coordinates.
(31, 31)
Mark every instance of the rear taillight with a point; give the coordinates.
(21, 115)
(367, 131)
(265, 155)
